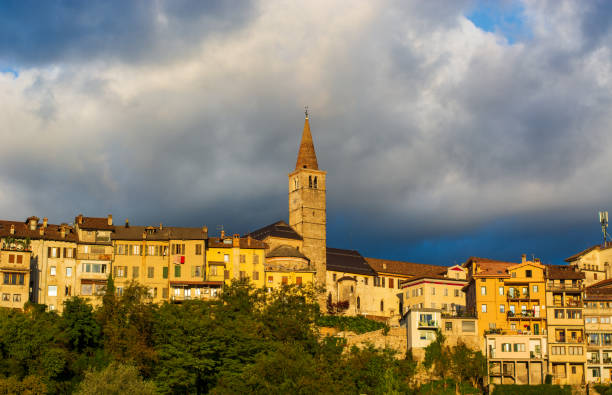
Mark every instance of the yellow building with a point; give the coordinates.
(595, 262)
(286, 265)
(506, 296)
(169, 261)
(598, 327)
(14, 268)
(94, 256)
(234, 258)
(566, 334)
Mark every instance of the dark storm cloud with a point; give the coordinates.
(440, 140)
(40, 32)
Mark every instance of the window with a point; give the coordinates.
(69, 252)
(382, 281)
(86, 289)
(11, 258)
(135, 272)
(594, 276)
(382, 305)
(513, 274)
(358, 302)
(535, 289)
(226, 275)
(177, 271)
(68, 290)
(151, 272)
(483, 308)
(334, 276)
(365, 280)
(483, 290)
(557, 350)
(528, 273)
(165, 272)
(309, 181)
(197, 271)
(448, 326)
(178, 249)
(506, 347)
(595, 372)
(298, 281)
(14, 278)
(433, 291)
(445, 291)
(502, 308)
(165, 293)
(242, 258)
(390, 283)
(285, 280)
(574, 350)
(242, 274)
(136, 250)
(120, 250)
(315, 182)
(501, 290)
(19, 258)
(6, 297)
(198, 249)
(456, 293)
(120, 271)
(226, 258)
(519, 347)
(52, 271)
(255, 275)
(68, 272)
(16, 297)
(94, 268)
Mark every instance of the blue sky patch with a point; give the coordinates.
(506, 18)
(8, 70)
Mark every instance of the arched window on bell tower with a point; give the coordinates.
(315, 182)
(296, 183)
(309, 181)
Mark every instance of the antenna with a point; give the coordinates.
(603, 220)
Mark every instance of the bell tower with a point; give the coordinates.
(307, 207)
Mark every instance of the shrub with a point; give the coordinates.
(356, 324)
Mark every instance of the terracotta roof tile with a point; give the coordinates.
(95, 223)
(216, 242)
(404, 268)
(563, 272)
(51, 232)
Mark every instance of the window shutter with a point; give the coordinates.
(64, 252)
(226, 274)
(48, 251)
(74, 252)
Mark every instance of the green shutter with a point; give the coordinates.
(165, 272)
(177, 271)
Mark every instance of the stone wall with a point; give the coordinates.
(395, 339)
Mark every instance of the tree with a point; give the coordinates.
(117, 379)
(79, 326)
(437, 357)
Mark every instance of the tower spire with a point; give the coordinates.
(307, 157)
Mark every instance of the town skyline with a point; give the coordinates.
(478, 131)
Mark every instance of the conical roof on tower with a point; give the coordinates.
(307, 158)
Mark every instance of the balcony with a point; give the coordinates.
(593, 361)
(527, 315)
(565, 288)
(606, 360)
(428, 324)
(93, 256)
(519, 296)
(535, 355)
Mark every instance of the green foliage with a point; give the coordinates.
(447, 387)
(30, 385)
(603, 389)
(247, 341)
(115, 379)
(357, 324)
(542, 389)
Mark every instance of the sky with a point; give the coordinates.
(448, 129)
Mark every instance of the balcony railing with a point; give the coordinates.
(593, 361)
(565, 287)
(518, 295)
(527, 314)
(533, 354)
(607, 360)
(94, 256)
(564, 340)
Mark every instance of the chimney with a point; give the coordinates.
(63, 231)
(523, 258)
(236, 241)
(80, 219)
(249, 240)
(205, 229)
(222, 234)
(41, 231)
(144, 235)
(110, 219)
(45, 221)
(32, 222)
(161, 226)
(12, 229)
(127, 223)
